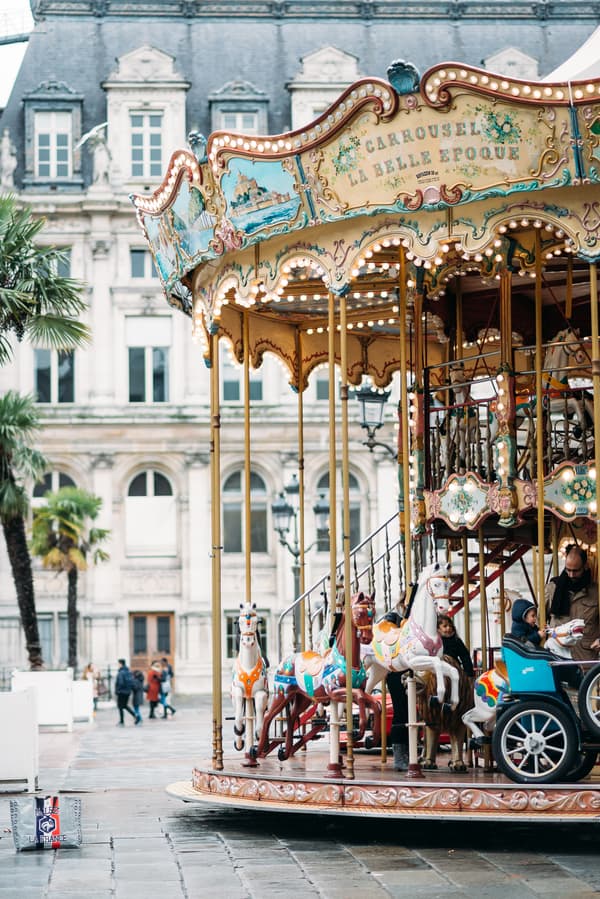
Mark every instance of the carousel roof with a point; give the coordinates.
(462, 176)
(584, 63)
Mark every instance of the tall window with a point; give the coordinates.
(142, 264)
(148, 342)
(232, 380)
(53, 142)
(355, 531)
(51, 482)
(146, 144)
(54, 376)
(234, 518)
(150, 515)
(322, 384)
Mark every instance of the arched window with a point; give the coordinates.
(50, 483)
(150, 516)
(355, 531)
(234, 518)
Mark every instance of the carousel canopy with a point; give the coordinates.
(453, 184)
(584, 63)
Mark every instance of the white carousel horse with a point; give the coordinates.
(249, 686)
(416, 644)
(492, 684)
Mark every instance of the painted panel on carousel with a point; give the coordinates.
(571, 491)
(259, 194)
(421, 158)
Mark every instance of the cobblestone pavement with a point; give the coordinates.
(139, 842)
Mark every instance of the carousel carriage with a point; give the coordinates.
(443, 231)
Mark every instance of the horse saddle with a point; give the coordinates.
(310, 663)
(386, 632)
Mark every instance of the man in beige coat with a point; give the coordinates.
(573, 595)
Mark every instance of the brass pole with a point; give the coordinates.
(346, 536)
(301, 513)
(247, 472)
(595, 382)
(404, 419)
(215, 457)
(466, 601)
(332, 456)
(482, 599)
(539, 363)
(458, 349)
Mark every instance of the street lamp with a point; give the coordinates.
(372, 402)
(285, 512)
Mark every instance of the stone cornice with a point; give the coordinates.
(542, 10)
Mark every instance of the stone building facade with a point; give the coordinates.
(106, 91)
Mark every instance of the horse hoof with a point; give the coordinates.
(457, 767)
(239, 747)
(238, 731)
(446, 708)
(433, 702)
(429, 766)
(281, 754)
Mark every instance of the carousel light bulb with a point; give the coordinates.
(592, 506)
(569, 508)
(592, 474)
(512, 224)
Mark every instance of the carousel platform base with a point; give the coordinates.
(300, 785)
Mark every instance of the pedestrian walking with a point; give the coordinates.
(138, 694)
(123, 689)
(165, 687)
(91, 673)
(154, 679)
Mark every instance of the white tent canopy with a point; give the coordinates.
(584, 63)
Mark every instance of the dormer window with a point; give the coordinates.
(53, 142)
(52, 130)
(146, 144)
(239, 106)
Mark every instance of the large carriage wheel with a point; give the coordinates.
(535, 742)
(589, 701)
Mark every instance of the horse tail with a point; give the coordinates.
(413, 592)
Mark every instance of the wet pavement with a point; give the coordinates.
(139, 842)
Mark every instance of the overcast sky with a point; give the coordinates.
(14, 16)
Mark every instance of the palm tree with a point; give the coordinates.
(60, 539)
(19, 462)
(35, 301)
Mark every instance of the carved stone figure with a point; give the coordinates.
(98, 147)
(8, 161)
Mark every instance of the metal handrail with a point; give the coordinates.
(339, 567)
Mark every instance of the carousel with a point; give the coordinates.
(442, 230)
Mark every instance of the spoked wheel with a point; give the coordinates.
(535, 742)
(589, 701)
(583, 766)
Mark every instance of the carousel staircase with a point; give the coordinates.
(503, 555)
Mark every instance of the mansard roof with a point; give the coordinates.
(212, 44)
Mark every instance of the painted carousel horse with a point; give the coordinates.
(249, 686)
(304, 681)
(416, 644)
(442, 719)
(563, 355)
(492, 684)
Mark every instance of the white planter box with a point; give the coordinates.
(54, 695)
(19, 741)
(83, 700)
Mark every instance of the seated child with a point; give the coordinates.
(524, 622)
(453, 645)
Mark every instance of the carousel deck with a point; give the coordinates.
(377, 791)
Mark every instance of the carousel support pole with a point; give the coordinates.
(502, 615)
(539, 363)
(215, 456)
(249, 756)
(346, 537)
(334, 768)
(554, 542)
(414, 769)
(466, 601)
(301, 518)
(595, 380)
(404, 423)
(482, 598)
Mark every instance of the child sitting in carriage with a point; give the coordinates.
(524, 623)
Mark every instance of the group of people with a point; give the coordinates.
(572, 594)
(132, 685)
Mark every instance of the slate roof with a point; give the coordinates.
(263, 43)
